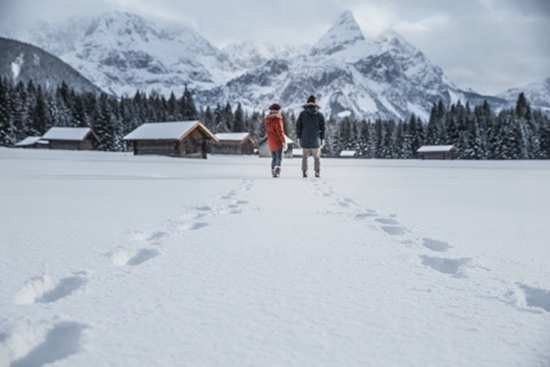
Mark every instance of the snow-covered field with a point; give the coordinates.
(113, 260)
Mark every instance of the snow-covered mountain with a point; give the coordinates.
(350, 73)
(538, 94)
(123, 52)
(384, 77)
(249, 54)
(20, 62)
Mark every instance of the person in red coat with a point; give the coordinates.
(276, 138)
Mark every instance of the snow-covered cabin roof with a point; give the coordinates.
(232, 136)
(436, 148)
(31, 140)
(348, 153)
(167, 131)
(67, 133)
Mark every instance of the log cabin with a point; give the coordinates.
(71, 138)
(190, 139)
(32, 142)
(234, 143)
(437, 152)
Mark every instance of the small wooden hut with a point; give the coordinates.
(189, 139)
(32, 142)
(234, 143)
(348, 154)
(71, 138)
(437, 152)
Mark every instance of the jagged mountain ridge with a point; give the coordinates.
(351, 74)
(123, 53)
(20, 62)
(538, 94)
(385, 77)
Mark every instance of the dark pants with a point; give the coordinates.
(276, 158)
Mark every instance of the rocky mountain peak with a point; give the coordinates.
(344, 32)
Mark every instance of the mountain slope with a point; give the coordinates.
(371, 78)
(351, 74)
(24, 62)
(538, 94)
(123, 52)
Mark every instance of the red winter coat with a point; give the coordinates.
(274, 128)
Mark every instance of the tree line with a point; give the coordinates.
(478, 132)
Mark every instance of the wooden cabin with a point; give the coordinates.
(32, 142)
(264, 151)
(234, 143)
(348, 154)
(437, 152)
(189, 139)
(71, 138)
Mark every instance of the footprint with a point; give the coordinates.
(388, 221)
(435, 245)
(242, 202)
(44, 290)
(343, 204)
(194, 226)
(142, 256)
(204, 208)
(157, 236)
(228, 196)
(447, 266)
(60, 342)
(365, 215)
(536, 297)
(394, 230)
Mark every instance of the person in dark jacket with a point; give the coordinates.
(310, 129)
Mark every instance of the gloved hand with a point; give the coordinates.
(285, 147)
(322, 143)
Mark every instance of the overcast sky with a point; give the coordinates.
(487, 45)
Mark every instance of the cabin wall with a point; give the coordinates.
(155, 147)
(438, 155)
(194, 145)
(233, 147)
(64, 145)
(86, 144)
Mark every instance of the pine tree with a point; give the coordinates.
(40, 119)
(522, 106)
(7, 130)
(227, 118)
(188, 108)
(104, 125)
(238, 120)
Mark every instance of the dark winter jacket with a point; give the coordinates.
(310, 127)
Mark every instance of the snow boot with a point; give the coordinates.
(304, 174)
(277, 171)
(317, 174)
